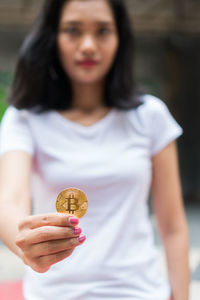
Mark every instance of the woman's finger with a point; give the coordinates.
(53, 247)
(46, 233)
(53, 219)
(43, 263)
(49, 233)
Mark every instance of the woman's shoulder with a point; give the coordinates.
(14, 115)
(22, 115)
(151, 104)
(15, 133)
(154, 120)
(149, 108)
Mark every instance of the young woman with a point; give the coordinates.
(75, 120)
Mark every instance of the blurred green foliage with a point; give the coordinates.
(2, 102)
(5, 82)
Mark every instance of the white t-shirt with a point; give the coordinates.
(111, 162)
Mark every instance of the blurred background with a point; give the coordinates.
(167, 64)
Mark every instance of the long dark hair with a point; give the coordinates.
(41, 82)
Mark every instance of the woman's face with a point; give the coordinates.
(87, 40)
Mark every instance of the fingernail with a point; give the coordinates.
(77, 230)
(81, 238)
(73, 220)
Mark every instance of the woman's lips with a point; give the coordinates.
(88, 63)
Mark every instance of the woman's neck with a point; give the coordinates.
(88, 97)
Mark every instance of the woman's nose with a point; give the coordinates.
(88, 45)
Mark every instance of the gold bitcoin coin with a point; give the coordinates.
(72, 201)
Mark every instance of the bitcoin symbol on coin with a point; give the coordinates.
(72, 201)
(71, 205)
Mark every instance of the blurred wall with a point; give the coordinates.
(167, 63)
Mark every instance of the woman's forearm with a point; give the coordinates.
(10, 216)
(15, 199)
(177, 249)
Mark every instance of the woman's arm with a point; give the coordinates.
(171, 220)
(15, 203)
(39, 240)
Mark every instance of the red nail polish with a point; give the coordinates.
(73, 221)
(81, 238)
(77, 230)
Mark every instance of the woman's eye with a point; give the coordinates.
(103, 31)
(72, 31)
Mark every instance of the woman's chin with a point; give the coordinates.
(87, 80)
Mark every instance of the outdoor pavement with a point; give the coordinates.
(11, 268)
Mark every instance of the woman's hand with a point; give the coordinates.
(47, 239)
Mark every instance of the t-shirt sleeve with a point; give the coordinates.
(15, 133)
(163, 127)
